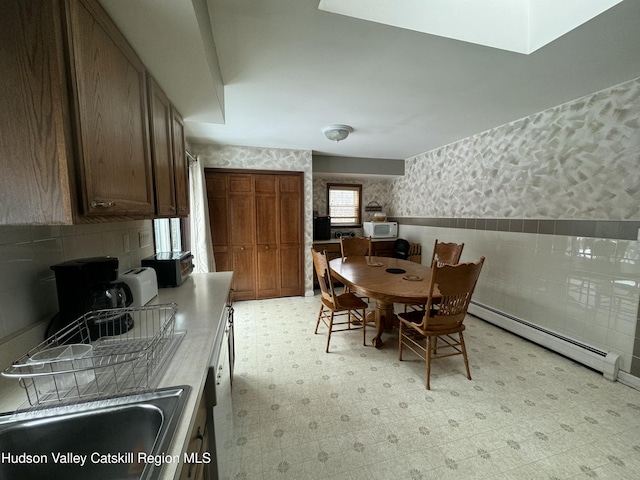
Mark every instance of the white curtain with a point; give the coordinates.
(201, 246)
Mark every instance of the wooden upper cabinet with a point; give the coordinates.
(162, 150)
(37, 173)
(109, 97)
(180, 164)
(75, 120)
(168, 155)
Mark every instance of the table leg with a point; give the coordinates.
(385, 320)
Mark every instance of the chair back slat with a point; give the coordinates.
(456, 284)
(321, 266)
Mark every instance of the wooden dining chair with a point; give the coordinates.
(443, 316)
(447, 253)
(415, 252)
(332, 305)
(443, 254)
(355, 247)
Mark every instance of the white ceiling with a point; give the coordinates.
(290, 69)
(521, 26)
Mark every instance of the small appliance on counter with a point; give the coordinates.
(172, 268)
(345, 234)
(143, 284)
(321, 227)
(88, 284)
(380, 229)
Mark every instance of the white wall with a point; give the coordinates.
(27, 284)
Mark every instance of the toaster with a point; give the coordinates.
(143, 284)
(172, 268)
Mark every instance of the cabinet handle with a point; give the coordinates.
(95, 204)
(267, 247)
(200, 437)
(241, 248)
(183, 209)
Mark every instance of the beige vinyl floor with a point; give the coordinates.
(358, 413)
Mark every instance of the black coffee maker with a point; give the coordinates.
(88, 284)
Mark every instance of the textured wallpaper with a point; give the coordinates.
(579, 160)
(217, 156)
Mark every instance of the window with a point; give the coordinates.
(344, 203)
(168, 235)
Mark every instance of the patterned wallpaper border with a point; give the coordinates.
(620, 230)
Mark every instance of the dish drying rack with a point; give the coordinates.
(102, 353)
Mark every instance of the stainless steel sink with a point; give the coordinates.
(118, 438)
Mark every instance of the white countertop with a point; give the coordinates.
(337, 240)
(201, 302)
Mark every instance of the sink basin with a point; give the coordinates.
(118, 438)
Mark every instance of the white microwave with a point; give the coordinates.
(380, 229)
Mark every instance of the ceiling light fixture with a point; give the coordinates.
(335, 133)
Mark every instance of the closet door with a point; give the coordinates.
(290, 219)
(268, 255)
(257, 230)
(242, 235)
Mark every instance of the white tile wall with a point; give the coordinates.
(584, 288)
(27, 284)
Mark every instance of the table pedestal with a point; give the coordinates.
(385, 319)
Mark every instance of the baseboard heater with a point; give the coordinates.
(606, 362)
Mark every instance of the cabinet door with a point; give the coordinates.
(223, 414)
(108, 82)
(194, 466)
(383, 248)
(180, 164)
(34, 148)
(162, 150)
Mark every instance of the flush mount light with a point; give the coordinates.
(335, 133)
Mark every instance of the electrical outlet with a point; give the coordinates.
(126, 246)
(144, 238)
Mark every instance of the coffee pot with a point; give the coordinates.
(110, 295)
(89, 284)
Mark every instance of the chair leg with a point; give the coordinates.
(400, 341)
(319, 317)
(329, 333)
(364, 327)
(428, 361)
(464, 355)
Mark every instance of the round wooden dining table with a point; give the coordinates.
(387, 281)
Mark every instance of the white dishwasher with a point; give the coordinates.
(219, 402)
